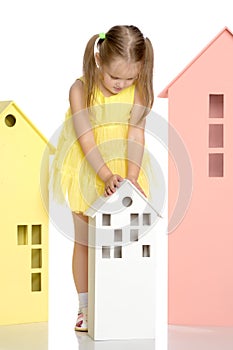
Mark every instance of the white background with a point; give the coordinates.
(42, 44)
(41, 48)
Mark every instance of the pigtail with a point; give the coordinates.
(145, 80)
(90, 71)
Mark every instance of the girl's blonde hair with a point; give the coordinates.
(128, 43)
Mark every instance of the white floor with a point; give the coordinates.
(35, 336)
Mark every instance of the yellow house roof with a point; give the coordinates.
(7, 104)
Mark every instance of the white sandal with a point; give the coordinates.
(81, 323)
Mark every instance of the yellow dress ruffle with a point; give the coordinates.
(74, 180)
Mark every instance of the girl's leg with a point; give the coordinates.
(80, 268)
(80, 253)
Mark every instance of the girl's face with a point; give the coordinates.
(118, 75)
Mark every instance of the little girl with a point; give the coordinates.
(102, 141)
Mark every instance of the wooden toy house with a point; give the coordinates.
(24, 218)
(122, 266)
(200, 102)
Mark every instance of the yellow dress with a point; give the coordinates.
(74, 180)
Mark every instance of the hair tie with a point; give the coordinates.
(102, 36)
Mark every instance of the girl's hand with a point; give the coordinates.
(136, 184)
(111, 184)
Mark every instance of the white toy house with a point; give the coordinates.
(122, 266)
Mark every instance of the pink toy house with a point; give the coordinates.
(201, 248)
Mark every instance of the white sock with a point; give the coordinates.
(83, 300)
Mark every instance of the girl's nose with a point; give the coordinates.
(121, 84)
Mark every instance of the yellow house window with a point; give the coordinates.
(36, 282)
(32, 236)
(36, 258)
(22, 234)
(36, 234)
(10, 120)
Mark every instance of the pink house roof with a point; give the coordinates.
(164, 92)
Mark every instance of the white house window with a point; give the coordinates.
(146, 251)
(106, 252)
(106, 220)
(118, 252)
(134, 235)
(134, 219)
(146, 219)
(127, 201)
(118, 235)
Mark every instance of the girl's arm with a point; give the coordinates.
(136, 141)
(86, 139)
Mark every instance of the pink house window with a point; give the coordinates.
(216, 104)
(216, 135)
(216, 165)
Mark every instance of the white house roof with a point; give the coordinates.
(107, 204)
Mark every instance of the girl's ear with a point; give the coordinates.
(97, 59)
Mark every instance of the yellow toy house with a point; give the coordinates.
(23, 218)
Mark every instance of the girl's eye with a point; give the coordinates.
(115, 78)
